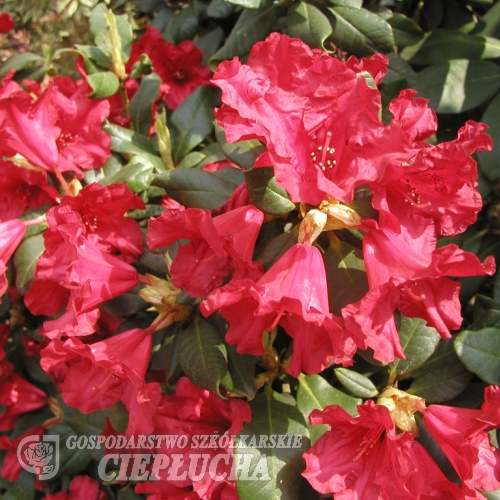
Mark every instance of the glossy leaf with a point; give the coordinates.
(489, 162)
(405, 30)
(182, 26)
(25, 260)
(20, 61)
(240, 377)
(250, 4)
(418, 342)
(344, 264)
(265, 193)
(356, 383)
(315, 393)
(309, 24)
(442, 377)
(443, 45)
(251, 27)
(192, 121)
(355, 4)
(243, 153)
(479, 351)
(272, 414)
(203, 355)
(360, 31)
(195, 188)
(458, 85)
(141, 105)
(104, 84)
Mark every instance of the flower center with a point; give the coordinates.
(65, 140)
(323, 157)
(370, 439)
(179, 75)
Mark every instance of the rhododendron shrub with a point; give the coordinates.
(264, 268)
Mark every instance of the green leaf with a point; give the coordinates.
(137, 174)
(22, 489)
(240, 377)
(250, 4)
(192, 121)
(203, 355)
(127, 141)
(405, 30)
(309, 24)
(360, 31)
(443, 45)
(20, 61)
(97, 56)
(344, 264)
(243, 153)
(251, 27)
(265, 193)
(104, 84)
(281, 467)
(489, 25)
(399, 68)
(442, 377)
(458, 85)
(195, 188)
(356, 4)
(479, 351)
(357, 384)
(418, 342)
(220, 9)
(315, 393)
(25, 260)
(491, 495)
(182, 26)
(141, 105)
(489, 161)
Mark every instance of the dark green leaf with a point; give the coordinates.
(104, 84)
(418, 342)
(243, 153)
(360, 31)
(315, 393)
(19, 62)
(192, 121)
(356, 4)
(137, 174)
(276, 248)
(443, 45)
(182, 26)
(141, 105)
(309, 24)
(240, 378)
(272, 415)
(251, 27)
(489, 25)
(458, 85)
(25, 260)
(210, 43)
(357, 384)
(405, 30)
(203, 355)
(127, 141)
(344, 264)
(442, 377)
(265, 193)
(489, 161)
(220, 9)
(250, 4)
(479, 351)
(399, 68)
(22, 489)
(195, 188)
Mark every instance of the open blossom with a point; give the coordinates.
(11, 234)
(60, 130)
(179, 66)
(365, 458)
(220, 246)
(462, 434)
(291, 293)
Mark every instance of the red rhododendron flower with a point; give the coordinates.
(11, 234)
(6, 23)
(194, 411)
(179, 66)
(60, 131)
(219, 247)
(80, 488)
(365, 458)
(293, 293)
(462, 434)
(22, 189)
(318, 120)
(407, 273)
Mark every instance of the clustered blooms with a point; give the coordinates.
(318, 119)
